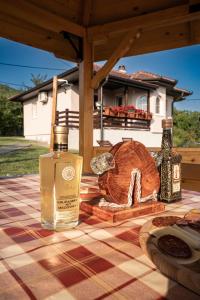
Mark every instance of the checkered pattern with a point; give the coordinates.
(97, 260)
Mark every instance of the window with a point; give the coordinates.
(157, 110)
(34, 110)
(141, 102)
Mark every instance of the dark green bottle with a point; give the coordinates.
(170, 169)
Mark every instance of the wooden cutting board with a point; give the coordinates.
(114, 184)
(184, 271)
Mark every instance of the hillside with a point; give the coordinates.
(11, 118)
(7, 91)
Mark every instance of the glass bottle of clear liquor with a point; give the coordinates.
(60, 176)
(170, 169)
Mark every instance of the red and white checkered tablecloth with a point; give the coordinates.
(97, 260)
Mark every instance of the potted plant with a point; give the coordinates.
(131, 111)
(114, 111)
(122, 112)
(106, 110)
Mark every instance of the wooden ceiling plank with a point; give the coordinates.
(157, 40)
(194, 31)
(27, 11)
(150, 21)
(36, 39)
(113, 10)
(119, 52)
(4, 18)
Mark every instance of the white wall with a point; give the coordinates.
(38, 128)
(169, 106)
(156, 123)
(148, 138)
(108, 98)
(64, 99)
(115, 136)
(75, 98)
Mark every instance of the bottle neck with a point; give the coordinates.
(166, 141)
(60, 140)
(60, 147)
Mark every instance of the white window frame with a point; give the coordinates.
(158, 105)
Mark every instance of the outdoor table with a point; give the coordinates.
(97, 260)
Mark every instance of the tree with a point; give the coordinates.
(186, 128)
(38, 79)
(11, 117)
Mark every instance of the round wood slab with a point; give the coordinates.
(184, 271)
(114, 184)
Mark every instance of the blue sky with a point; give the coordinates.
(182, 64)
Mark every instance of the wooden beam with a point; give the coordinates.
(126, 96)
(87, 8)
(119, 52)
(148, 101)
(150, 21)
(86, 95)
(53, 113)
(165, 38)
(33, 14)
(34, 36)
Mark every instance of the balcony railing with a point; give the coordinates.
(68, 117)
(71, 119)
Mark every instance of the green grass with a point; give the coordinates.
(24, 161)
(7, 141)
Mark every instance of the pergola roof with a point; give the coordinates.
(58, 26)
(94, 30)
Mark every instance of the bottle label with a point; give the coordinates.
(176, 172)
(68, 173)
(176, 185)
(66, 190)
(67, 203)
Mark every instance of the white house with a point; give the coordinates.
(147, 91)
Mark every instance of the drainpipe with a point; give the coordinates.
(101, 102)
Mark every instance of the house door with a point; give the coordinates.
(119, 100)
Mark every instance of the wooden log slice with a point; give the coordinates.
(114, 184)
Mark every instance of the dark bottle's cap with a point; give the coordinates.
(60, 137)
(167, 123)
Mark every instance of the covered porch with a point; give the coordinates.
(97, 260)
(89, 31)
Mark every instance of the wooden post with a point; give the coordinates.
(148, 101)
(67, 117)
(126, 96)
(53, 115)
(86, 106)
